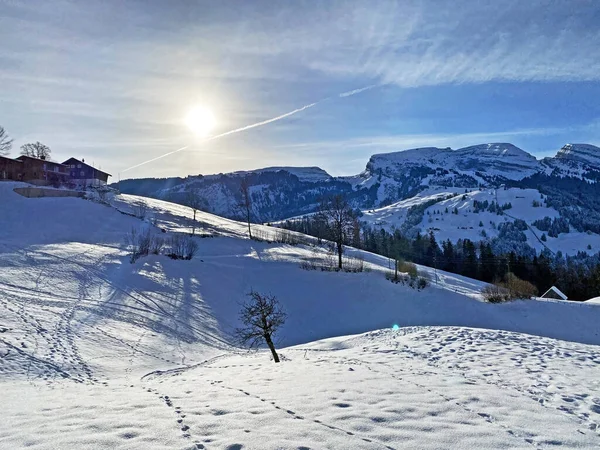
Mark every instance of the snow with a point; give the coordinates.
(594, 300)
(465, 224)
(96, 352)
(586, 153)
(496, 159)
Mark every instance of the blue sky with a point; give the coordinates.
(112, 81)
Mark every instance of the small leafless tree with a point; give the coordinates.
(262, 316)
(140, 209)
(195, 202)
(339, 218)
(36, 150)
(246, 203)
(5, 142)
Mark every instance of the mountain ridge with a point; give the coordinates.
(565, 184)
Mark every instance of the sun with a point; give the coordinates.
(200, 120)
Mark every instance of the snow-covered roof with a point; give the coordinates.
(556, 291)
(594, 300)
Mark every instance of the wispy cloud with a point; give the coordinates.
(118, 74)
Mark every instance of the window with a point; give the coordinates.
(79, 166)
(82, 173)
(56, 168)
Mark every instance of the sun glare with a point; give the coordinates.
(200, 120)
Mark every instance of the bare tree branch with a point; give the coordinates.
(36, 150)
(5, 142)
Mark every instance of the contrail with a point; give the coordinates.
(156, 159)
(357, 91)
(254, 125)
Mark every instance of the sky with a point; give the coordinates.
(113, 81)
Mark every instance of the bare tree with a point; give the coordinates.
(246, 203)
(195, 201)
(262, 316)
(339, 219)
(140, 209)
(36, 150)
(5, 142)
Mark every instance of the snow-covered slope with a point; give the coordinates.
(108, 354)
(588, 154)
(453, 216)
(576, 160)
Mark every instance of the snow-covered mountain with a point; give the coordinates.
(576, 160)
(563, 186)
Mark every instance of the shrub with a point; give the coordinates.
(139, 243)
(411, 280)
(353, 265)
(493, 293)
(408, 268)
(520, 288)
(182, 247)
(157, 245)
(140, 209)
(511, 288)
(422, 283)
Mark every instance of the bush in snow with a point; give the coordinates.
(511, 288)
(408, 268)
(261, 317)
(493, 293)
(181, 247)
(139, 243)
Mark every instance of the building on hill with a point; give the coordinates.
(10, 169)
(42, 171)
(555, 294)
(84, 174)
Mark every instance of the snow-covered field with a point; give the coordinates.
(96, 352)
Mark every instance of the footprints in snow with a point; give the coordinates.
(180, 416)
(296, 416)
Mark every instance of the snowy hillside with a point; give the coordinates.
(110, 354)
(453, 215)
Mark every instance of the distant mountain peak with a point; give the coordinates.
(500, 149)
(586, 153)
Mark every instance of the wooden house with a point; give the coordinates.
(84, 174)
